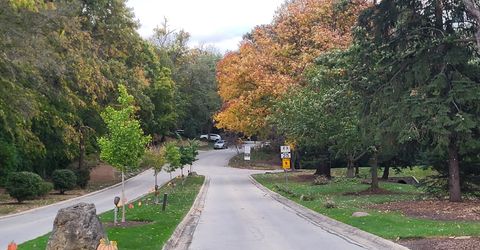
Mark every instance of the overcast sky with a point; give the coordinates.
(220, 23)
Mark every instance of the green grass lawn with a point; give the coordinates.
(391, 225)
(152, 235)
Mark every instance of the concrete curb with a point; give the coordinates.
(183, 234)
(347, 232)
(70, 200)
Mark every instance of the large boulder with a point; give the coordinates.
(76, 228)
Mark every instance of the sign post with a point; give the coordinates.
(285, 155)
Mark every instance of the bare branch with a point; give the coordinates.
(474, 10)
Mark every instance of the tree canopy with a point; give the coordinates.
(271, 59)
(125, 143)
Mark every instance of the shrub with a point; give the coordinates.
(23, 185)
(64, 180)
(83, 176)
(45, 188)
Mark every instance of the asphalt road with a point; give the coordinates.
(38, 222)
(238, 215)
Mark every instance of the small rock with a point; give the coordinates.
(360, 214)
(463, 237)
(76, 228)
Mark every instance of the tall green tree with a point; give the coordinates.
(124, 144)
(324, 113)
(60, 65)
(425, 80)
(194, 74)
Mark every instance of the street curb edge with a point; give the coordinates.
(183, 234)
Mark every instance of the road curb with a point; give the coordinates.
(70, 200)
(347, 232)
(183, 234)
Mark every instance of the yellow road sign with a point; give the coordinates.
(286, 163)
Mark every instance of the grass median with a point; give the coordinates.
(156, 226)
(341, 197)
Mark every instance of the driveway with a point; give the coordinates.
(238, 215)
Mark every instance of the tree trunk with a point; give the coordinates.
(156, 187)
(292, 160)
(123, 196)
(439, 14)
(386, 172)
(474, 10)
(81, 153)
(297, 161)
(357, 170)
(454, 173)
(374, 170)
(323, 169)
(350, 166)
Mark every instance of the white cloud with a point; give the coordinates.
(214, 22)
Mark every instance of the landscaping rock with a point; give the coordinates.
(306, 197)
(192, 174)
(321, 180)
(360, 214)
(330, 204)
(76, 228)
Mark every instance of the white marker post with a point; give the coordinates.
(247, 151)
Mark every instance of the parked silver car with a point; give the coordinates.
(220, 144)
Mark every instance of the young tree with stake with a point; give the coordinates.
(154, 158)
(124, 144)
(173, 157)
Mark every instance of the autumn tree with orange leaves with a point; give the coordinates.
(272, 58)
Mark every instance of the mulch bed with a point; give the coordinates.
(304, 177)
(377, 191)
(258, 167)
(435, 209)
(442, 243)
(126, 224)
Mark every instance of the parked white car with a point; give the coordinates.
(213, 137)
(220, 144)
